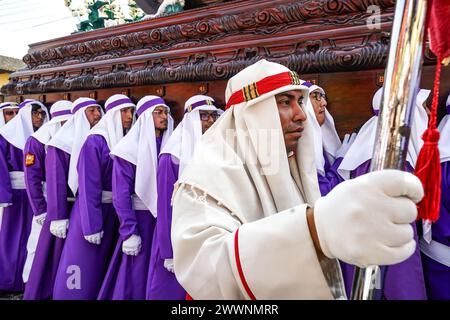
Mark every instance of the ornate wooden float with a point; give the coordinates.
(334, 43)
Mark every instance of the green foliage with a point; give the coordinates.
(95, 21)
(96, 13)
(173, 8)
(85, 26)
(97, 5)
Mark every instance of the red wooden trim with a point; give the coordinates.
(239, 267)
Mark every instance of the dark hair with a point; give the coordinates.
(35, 107)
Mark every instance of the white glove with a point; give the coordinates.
(58, 228)
(366, 221)
(346, 144)
(132, 246)
(168, 264)
(95, 238)
(40, 218)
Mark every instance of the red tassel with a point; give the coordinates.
(428, 166)
(428, 170)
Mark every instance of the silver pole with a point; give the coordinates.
(402, 77)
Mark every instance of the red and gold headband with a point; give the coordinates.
(265, 85)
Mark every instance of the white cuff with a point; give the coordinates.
(4, 205)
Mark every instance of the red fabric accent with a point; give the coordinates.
(264, 85)
(188, 297)
(428, 167)
(239, 267)
(236, 98)
(438, 23)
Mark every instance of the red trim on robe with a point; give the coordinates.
(239, 267)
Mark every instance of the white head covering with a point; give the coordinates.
(418, 127)
(60, 111)
(72, 135)
(20, 127)
(325, 135)
(444, 128)
(110, 126)
(241, 160)
(362, 148)
(184, 138)
(6, 105)
(139, 148)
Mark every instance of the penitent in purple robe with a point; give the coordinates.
(437, 275)
(49, 248)
(17, 219)
(331, 178)
(162, 284)
(83, 265)
(402, 281)
(126, 278)
(34, 169)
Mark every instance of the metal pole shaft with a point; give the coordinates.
(402, 77)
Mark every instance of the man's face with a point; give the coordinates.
(127, 117)
(9, 113)
(208, 118)
(37, 117)
(160, 118)
(290, 108)
(319, 104)
(93, 114)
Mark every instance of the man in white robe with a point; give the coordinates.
(248, 220)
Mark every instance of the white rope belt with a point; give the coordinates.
(436, 251)
(44, 191)
(17, 180)
(106, 196)
(137, 203)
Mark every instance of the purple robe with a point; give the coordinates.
(126, 278)
(402, 281)
(17, 219)
(162, 284)
(35, 175)
(49, 248)
(83, 265)
(331, 178)
(437, 275)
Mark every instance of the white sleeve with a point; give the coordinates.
(216, 256)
